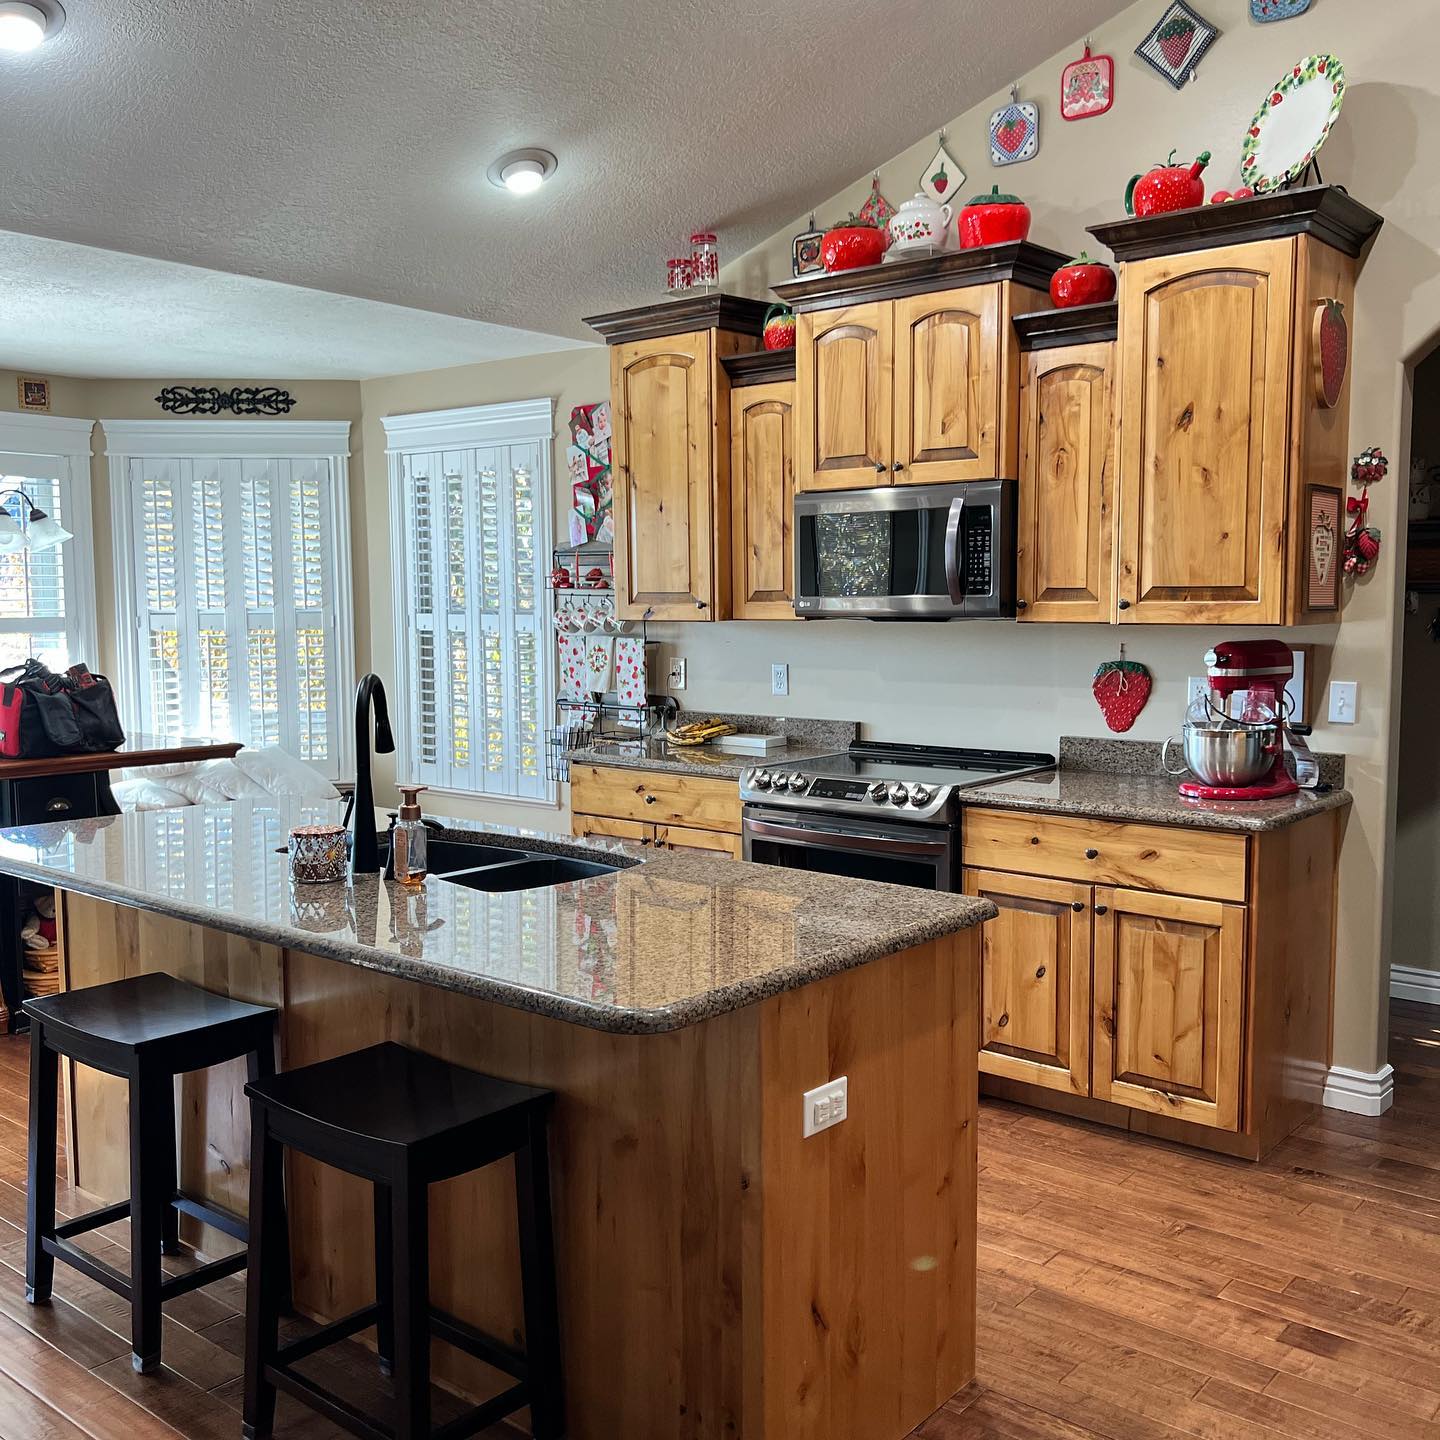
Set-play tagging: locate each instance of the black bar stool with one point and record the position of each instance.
(147, 1029)
(404, 1121)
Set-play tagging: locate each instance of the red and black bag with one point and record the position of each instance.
(42, 713)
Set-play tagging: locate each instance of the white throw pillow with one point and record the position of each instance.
(226, 777)
(280, 774)
(147, 795)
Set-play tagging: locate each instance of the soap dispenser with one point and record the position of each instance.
(408, 839)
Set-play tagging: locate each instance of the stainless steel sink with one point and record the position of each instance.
(528, 871)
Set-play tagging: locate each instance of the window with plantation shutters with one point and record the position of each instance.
(239, 571)
(471, 535)
(47, 597)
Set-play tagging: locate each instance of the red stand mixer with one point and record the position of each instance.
(1235, 732)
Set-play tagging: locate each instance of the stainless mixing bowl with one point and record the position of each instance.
(1226, 754)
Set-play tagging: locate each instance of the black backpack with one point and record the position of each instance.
(42, 713)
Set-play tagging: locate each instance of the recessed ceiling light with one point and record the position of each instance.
(24, 27)
(522, 172)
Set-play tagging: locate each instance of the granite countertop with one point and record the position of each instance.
(600, 952)
(693, 760)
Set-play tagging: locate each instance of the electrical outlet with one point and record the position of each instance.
(1196, 685)
(779, 679)
(826, 1105)
(679, 671)
(1344, 702)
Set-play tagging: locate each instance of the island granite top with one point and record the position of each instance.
(605, 952)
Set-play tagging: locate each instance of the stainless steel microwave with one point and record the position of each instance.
(907, 552)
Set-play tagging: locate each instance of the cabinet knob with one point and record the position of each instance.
(1102, 909)
(1077, 906)
(1092, 854)
(898, 466)
(1122, 604)
(879, 467)
(1034, 839)
(699, 604)
(1022, 604)
(650, 799)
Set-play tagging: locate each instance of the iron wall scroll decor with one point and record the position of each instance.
(240, 400)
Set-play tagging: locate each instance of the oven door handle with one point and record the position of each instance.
(844, 840)
(955, 552)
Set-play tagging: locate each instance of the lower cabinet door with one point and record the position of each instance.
(1035, 980)
(683, 837)
(606, 826)
(1169, 1005)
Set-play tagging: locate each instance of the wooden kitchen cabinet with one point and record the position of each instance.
(670, 403)
(1035, 980)
(909, 373)
(1169, 1003)
(688, 837)
(1065, 567)
(762, 489)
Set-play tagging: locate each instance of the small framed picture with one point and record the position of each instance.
(1324, 546)
(33, 394)
(805, 256)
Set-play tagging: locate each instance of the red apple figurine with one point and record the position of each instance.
(993, 219)
(1167, 187)
(1082, 282)
(1222, 197)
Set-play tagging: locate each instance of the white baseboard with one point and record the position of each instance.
(1409, 983)
(1361, 1092)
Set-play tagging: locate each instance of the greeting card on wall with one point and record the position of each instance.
(1087, 86)
(1177, 43)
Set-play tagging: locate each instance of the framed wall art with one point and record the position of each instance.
(1324, 508)
(33, 395)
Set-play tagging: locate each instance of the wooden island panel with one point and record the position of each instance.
(720, 1275)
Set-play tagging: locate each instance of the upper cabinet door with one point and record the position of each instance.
(947, 362)
(1205, 376)
(762, 489)
(1169, 1005)
(664, 477)
(844, 370)
(1067, 485)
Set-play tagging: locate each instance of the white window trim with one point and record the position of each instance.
(127, 440)
(511, 422)
(59, 437)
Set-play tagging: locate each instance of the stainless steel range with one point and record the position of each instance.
(874, 812)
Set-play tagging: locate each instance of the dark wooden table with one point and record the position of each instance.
(73, 787)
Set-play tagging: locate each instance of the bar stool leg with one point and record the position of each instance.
(266, 1285)
(40, 1187)
(384, 1280)
(410, 1269)
(169, 1216)
(260, 1065)
(537, 1279)
(151, 1130)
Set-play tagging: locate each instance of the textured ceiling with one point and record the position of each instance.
(342, 144)
(77, 310)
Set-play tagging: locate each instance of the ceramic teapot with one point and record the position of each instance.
(919, 224)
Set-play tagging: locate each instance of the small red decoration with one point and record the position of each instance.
(1167, 187)
(993, 219)
(1121, 687)
(848, 247)
(1087, 86)
(1082, 282)
(1330, 352)
(778, 331)
(1362, 541)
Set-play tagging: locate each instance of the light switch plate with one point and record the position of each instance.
(826, 1105)
(779, 679)
(1344, 702)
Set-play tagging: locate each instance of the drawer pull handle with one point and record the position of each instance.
(1077, 906)
(1034, 839)
(1122, 604)
(1003, 1021)
(1092, 854)
(650, 799)
(1040, 973)
(57, 806)
(1102, 909)
(879, 467)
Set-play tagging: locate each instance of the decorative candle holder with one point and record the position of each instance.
(317, 854)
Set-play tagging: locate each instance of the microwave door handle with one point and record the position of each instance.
(955, 552)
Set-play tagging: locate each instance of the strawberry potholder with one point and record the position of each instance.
(1121, 688)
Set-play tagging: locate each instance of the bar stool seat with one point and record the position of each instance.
(146, 1029)
(404, 1121)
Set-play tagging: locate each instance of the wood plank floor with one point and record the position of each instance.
(1128, 1291)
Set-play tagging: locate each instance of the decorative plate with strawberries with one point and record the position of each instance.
(1292, 123)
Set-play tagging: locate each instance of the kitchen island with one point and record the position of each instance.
(720, 1275)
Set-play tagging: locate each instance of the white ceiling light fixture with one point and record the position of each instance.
(27, 26)
(522, 172)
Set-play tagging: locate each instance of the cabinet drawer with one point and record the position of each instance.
(1107, 852)
(657, 797)
(687, 837)
(589, 827)
(43, 798)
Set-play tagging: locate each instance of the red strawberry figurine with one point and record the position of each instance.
(778, 331)
(1083, 282)
(1167, 187)
(1121, 687)
(1331, 351)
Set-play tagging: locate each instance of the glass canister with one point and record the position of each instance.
(317, 854)
(680, 275)
(704, 260)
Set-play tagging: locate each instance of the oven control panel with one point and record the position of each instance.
(843, 794)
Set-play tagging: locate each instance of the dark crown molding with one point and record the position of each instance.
(759, 367)
(1075, 325)
(714, 311)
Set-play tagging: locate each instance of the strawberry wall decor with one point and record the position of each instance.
(1177, 43)
(1121, 688)
(1265, 11)
(943, 177)
(1014, 131)
(1329, 351)
(1362, 541)
(1087, 86)
(877, 210)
